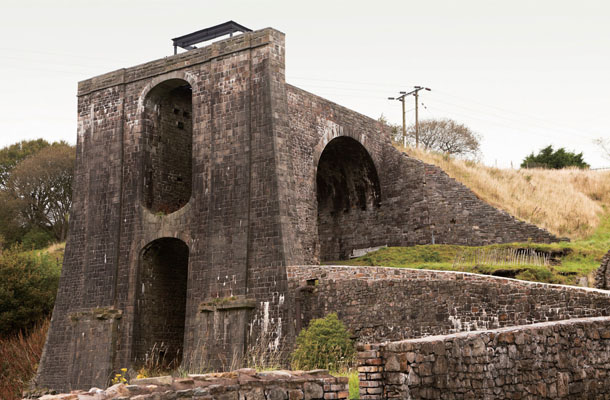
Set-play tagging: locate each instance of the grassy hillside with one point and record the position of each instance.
(568, 202)
(573, 203)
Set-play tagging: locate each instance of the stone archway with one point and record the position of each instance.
(161, 302)
(168, 144)
(348, 195)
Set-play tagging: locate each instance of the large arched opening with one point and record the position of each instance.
(168, 144)
(348, 195)
(161, 303)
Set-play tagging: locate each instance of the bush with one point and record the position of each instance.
(28, 285)
(554, 159)
(36, 238)
(324, 344)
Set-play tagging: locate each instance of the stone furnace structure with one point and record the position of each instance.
(199, 178)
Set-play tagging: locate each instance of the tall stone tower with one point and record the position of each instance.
(199, 178)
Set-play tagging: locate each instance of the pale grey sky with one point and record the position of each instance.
(522, 74)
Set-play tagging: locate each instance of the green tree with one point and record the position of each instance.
(324, 344)
(554, 159)
(28, 284)
(11, 155)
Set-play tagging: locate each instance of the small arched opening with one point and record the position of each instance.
(168, 144)
(161, 303)
(348, 195)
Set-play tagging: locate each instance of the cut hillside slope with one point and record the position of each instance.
(568, 203)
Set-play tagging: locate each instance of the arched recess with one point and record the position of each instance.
(348, 196)
(161, 302)
(167, 147)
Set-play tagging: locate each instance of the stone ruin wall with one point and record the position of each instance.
(379, 304)
(602, 275)
(242, 384)
(552, 360)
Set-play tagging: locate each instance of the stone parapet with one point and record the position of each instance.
(379, 303)
(563, 359)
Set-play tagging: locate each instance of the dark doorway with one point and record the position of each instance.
(168, 144)
(161, 303)
(349, 195)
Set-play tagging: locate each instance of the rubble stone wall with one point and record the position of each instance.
(602, 276)
(378, 303)
(243, 384)
(551, 360)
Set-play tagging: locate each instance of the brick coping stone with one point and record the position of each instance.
(392, 346)
(400, 273)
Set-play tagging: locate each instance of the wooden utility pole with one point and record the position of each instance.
(416, 119)
(401, 98)
(404, 123)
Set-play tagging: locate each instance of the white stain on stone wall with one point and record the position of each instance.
(265, 305)
(328, 129)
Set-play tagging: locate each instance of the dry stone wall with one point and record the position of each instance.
(552, 360)
(379, 304)
(602, 276)
(243, 384)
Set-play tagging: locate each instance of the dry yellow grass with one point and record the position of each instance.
(566, 202)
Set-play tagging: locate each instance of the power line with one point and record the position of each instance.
(401, 98)
(550, 124)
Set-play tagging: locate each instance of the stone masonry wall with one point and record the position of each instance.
(602, 275)
(231, 224)
(458, 216)
(418, 203)
(552, 360)
(379, 304)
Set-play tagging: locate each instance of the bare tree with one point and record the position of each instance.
(446, 136)
(40, 188)
(604, 144)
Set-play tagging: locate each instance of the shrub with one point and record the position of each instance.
(19, 357)
(28, 284)
(36, 238)
(324, 344)
(555, 159)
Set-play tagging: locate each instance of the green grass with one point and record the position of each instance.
(578, 259)
(354, 382)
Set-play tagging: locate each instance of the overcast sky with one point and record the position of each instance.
(523, 74)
